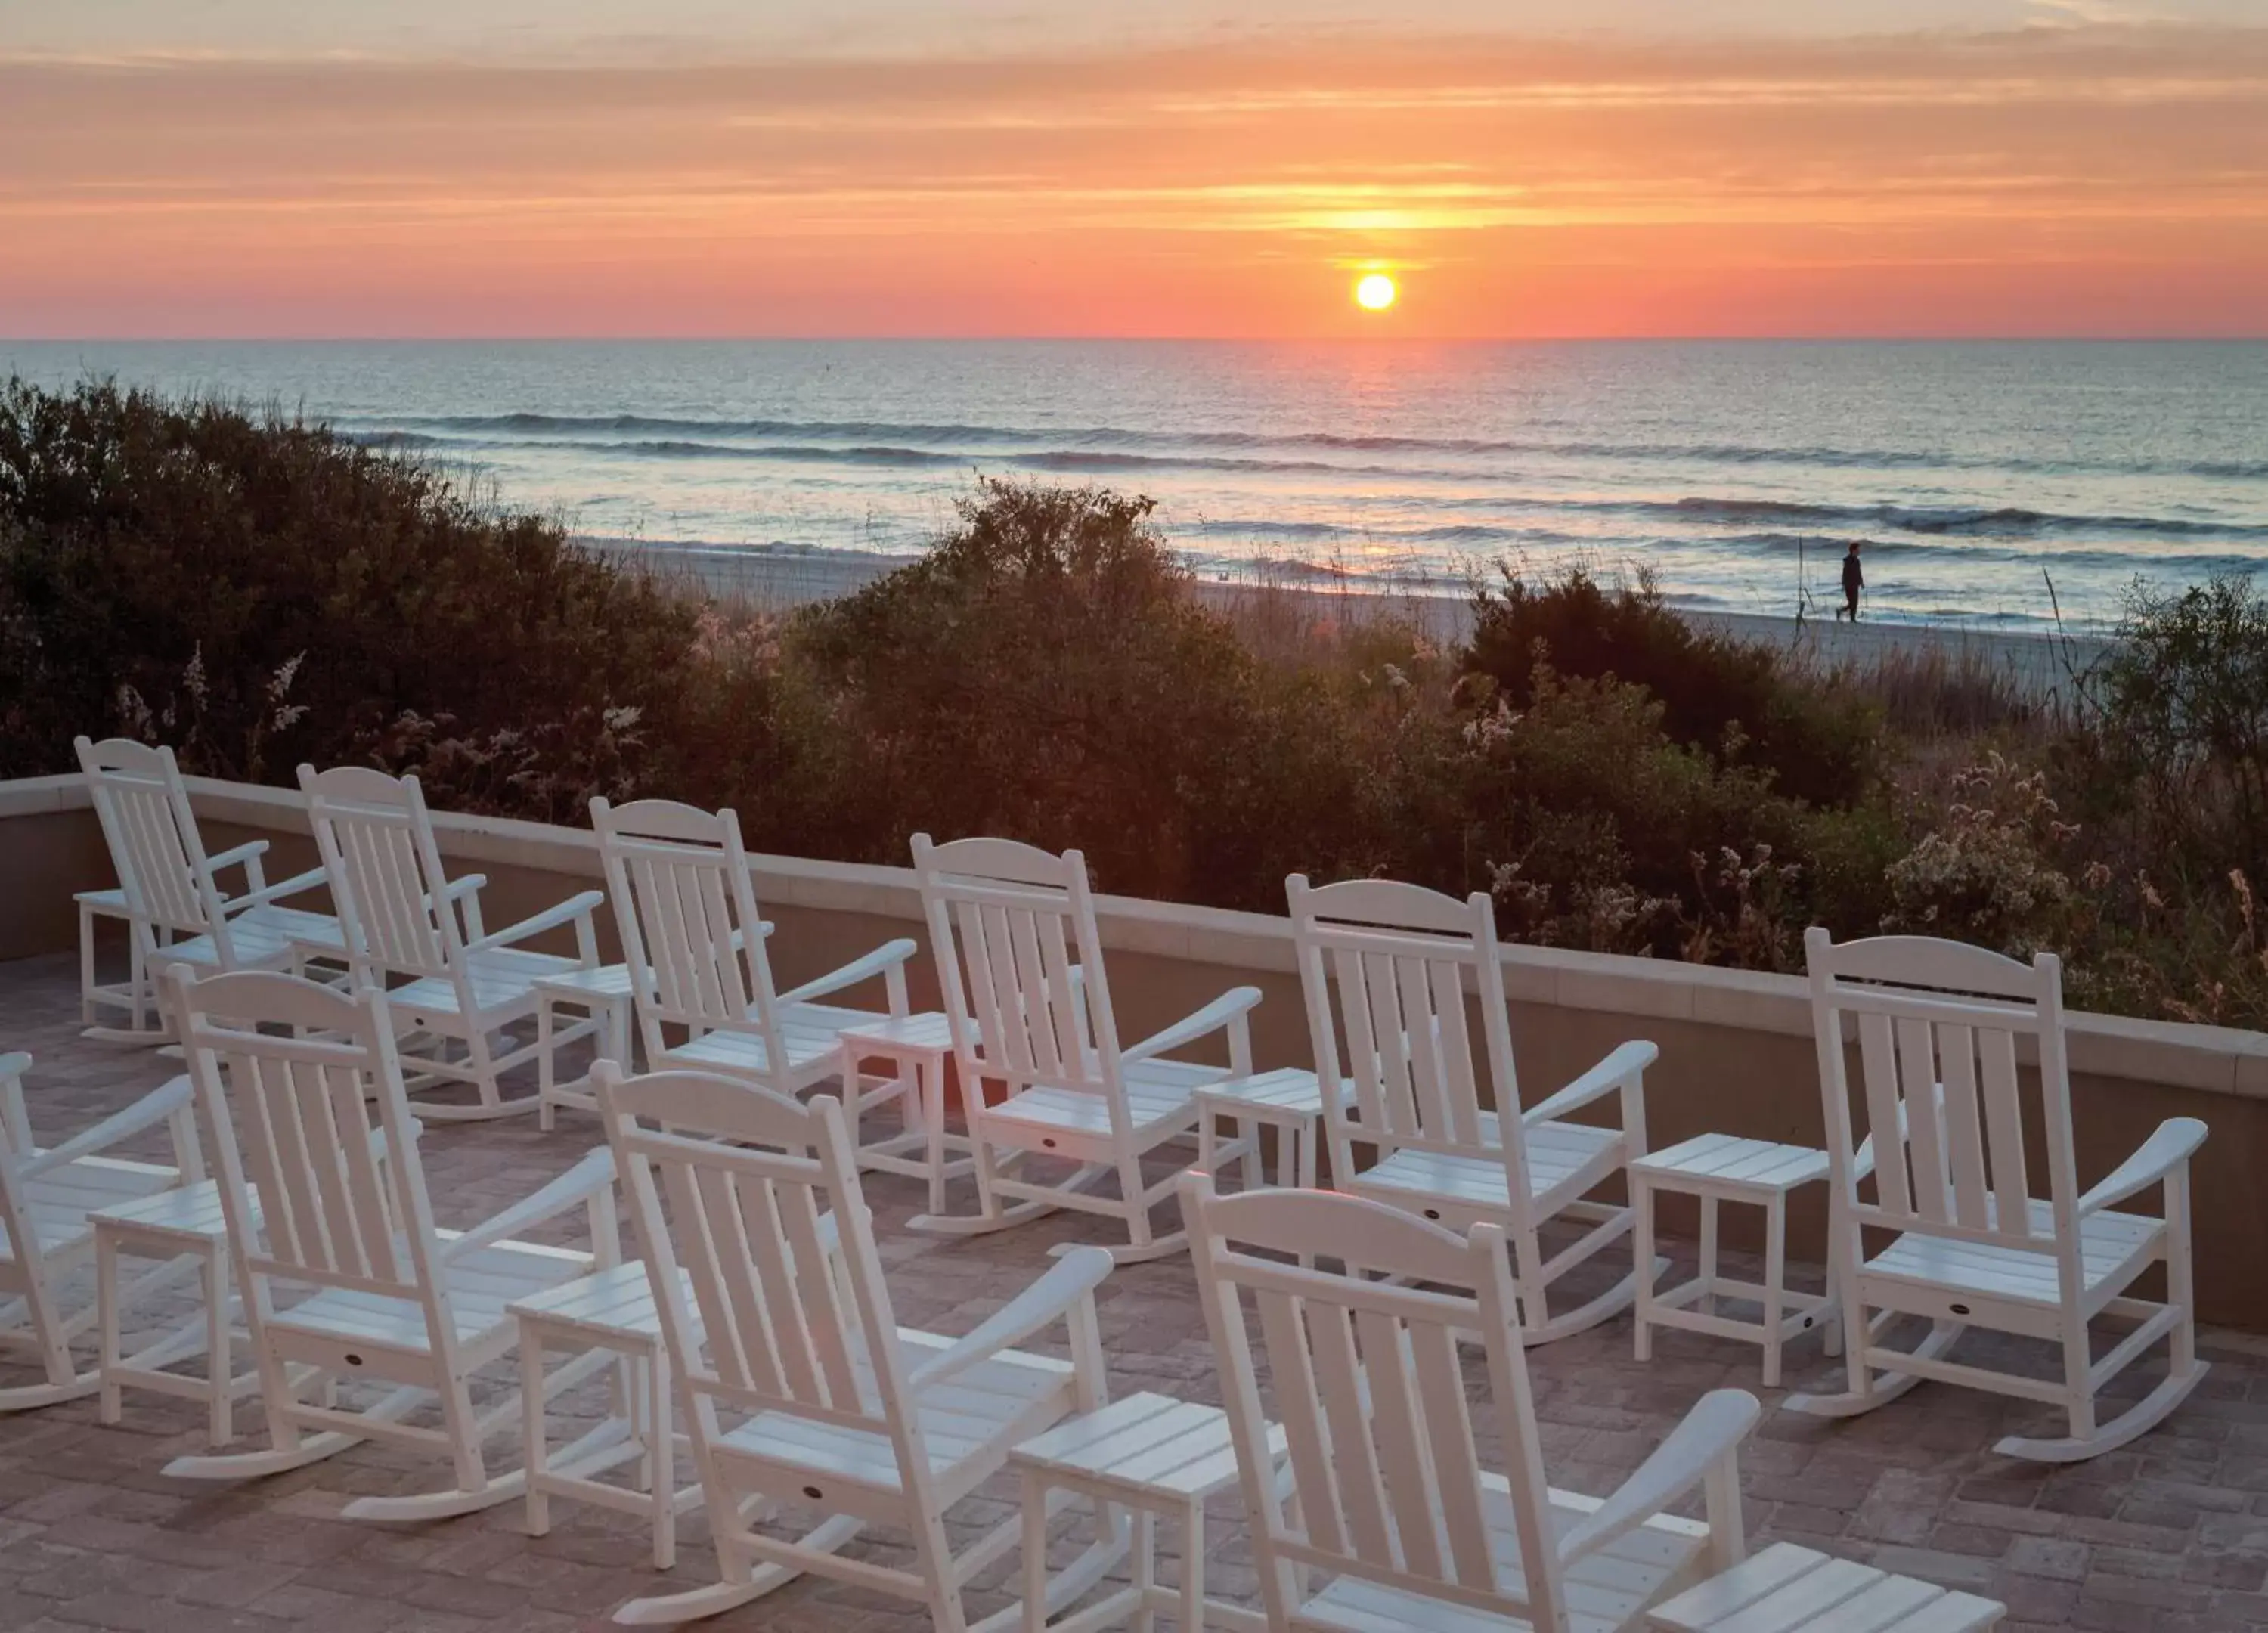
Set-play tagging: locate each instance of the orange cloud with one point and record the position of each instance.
(2082, 180)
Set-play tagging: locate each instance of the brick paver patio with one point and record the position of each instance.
(2170, 1534)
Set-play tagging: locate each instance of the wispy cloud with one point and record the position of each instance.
(1542, 181)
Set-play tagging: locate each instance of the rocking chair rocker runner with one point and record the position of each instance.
(1401, 958)
(802, 1390)
(344, 1277)
(1020, 961)
(1938, 1024)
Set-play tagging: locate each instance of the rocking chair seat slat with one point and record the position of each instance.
(2106, 1242)
(958, 1420)
(1556, 1151)
(1159, 1093)
(61, 1202)
(1604, 1590)
(502, 978)
(264, 935)
(812, 1034)
(481, 1286)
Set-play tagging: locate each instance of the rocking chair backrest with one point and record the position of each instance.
(144, 811)
(317, 1124)
(1937, 1025)
(1020, 962)
(730, 1187)
(692, 934)
(386, 873)
(1371, 1396)
(1400, 959)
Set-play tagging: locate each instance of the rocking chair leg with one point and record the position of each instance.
(220, 1354)
(107, 1296)
(1138, 1206)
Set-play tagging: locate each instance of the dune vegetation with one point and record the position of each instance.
(259, 591)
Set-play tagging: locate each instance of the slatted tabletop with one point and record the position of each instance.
(1731, 1161)
(607, 981)
(929, 1030)
(1143, 1444)
(1288, 1091)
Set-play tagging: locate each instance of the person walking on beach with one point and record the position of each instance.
(1853, 581)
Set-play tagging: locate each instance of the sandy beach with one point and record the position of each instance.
(775, 577)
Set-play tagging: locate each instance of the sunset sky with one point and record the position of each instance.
(1525, 168)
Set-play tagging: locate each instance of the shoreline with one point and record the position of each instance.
(778, 579)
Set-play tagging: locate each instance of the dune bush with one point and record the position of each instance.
(257, 590)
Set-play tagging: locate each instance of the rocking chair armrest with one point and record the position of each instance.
(1718, 1422)
(157, 1106)
(298, 884)
(1071, 1281)
(250, 851)
(1607, 1077)
(2176, 1139)
(581, 905)
(457, 889)
(570, 1190)
(1230, 1007)
(882, 959)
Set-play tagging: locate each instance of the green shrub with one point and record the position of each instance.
(1737, 700)
(164, 566)
(1601, 832)
(1043, 674)
(2180, 740)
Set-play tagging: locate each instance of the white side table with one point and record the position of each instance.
(602, 995)
(181, 1225)
(1288, 1100)
(612, 1310)
(1723, 1167)
(1159, 1458)
(1787, 1586)
(919, 1044)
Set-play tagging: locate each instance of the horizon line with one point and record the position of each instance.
(2139, 338)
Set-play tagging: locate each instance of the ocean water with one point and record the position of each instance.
(1976, 474)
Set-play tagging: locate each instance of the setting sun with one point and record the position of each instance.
(1375, 292)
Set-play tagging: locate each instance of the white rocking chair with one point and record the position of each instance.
(1397, 1523)
(1028, 1005)
(411, 929)
(169, 892)
(1938, 1024)
(344, 1279)
(47, 1236)
(1404, 959)
(701, 977)
(803, 1391)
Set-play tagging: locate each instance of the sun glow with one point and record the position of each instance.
(1374, 291)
